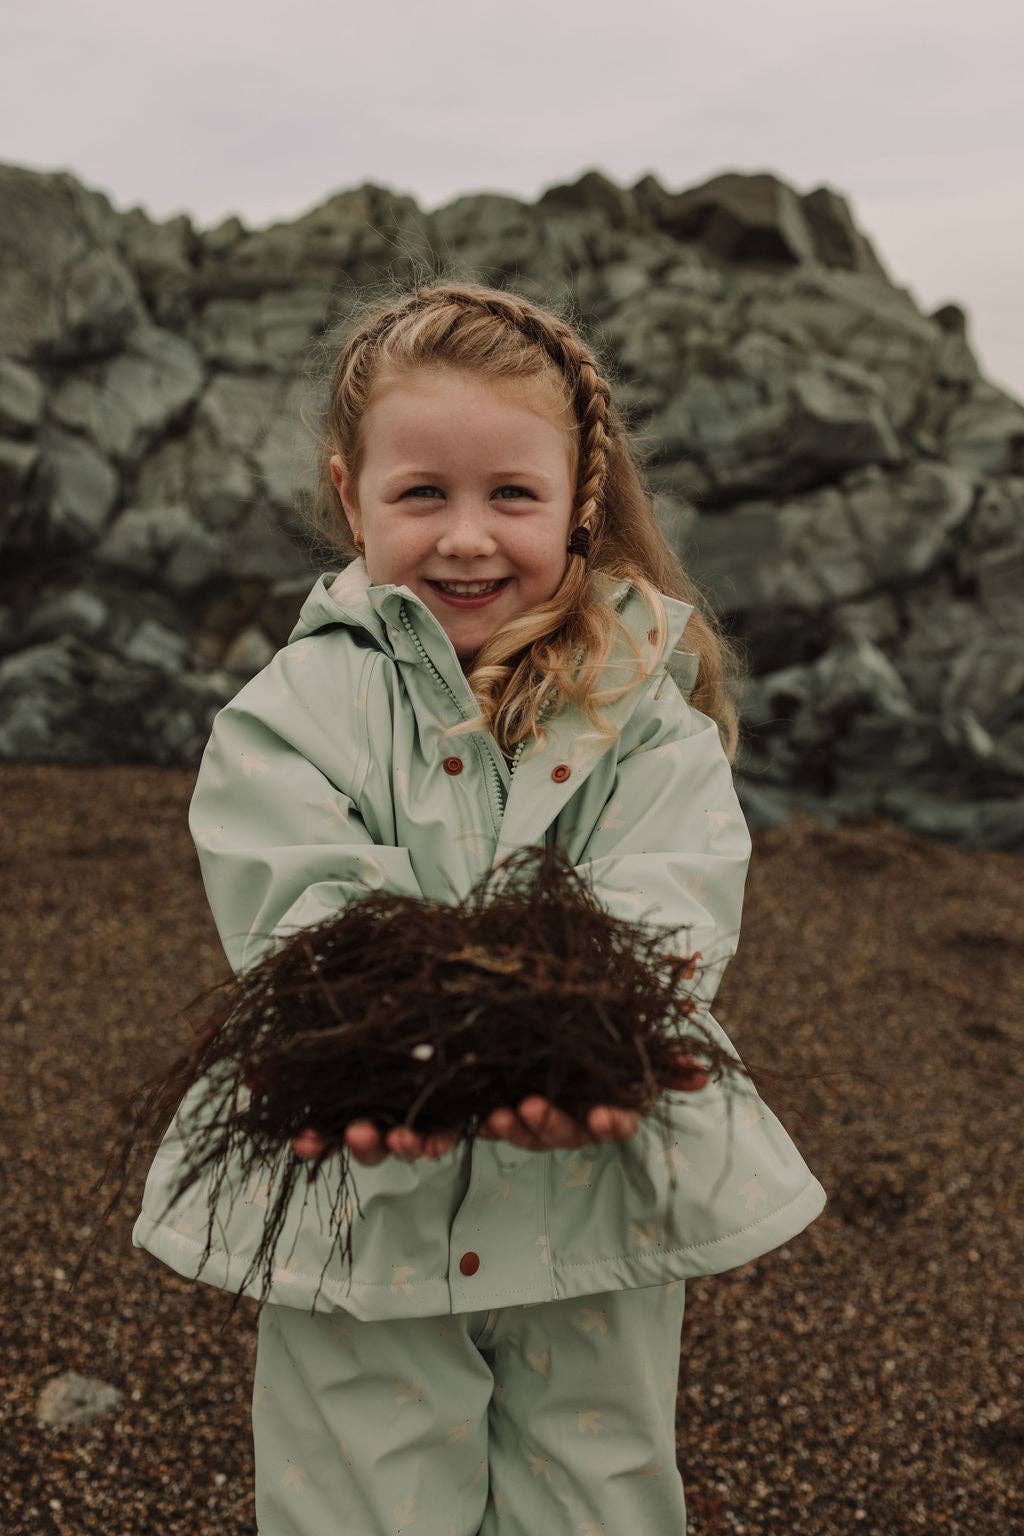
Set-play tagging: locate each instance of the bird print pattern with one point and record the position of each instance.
(435, 1427)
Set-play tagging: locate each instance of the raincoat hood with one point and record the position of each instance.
(382, 610)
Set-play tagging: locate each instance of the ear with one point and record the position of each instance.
(342, 482)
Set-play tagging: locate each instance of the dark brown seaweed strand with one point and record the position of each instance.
(526, 985)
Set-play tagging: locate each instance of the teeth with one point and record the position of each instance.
(470, 587)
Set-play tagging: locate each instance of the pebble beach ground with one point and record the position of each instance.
(865, 1378)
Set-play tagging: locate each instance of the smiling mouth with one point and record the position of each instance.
(478, 594)
(471, 588)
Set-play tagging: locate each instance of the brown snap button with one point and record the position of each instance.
(469, 1263)
(453, 765)
(560, 772)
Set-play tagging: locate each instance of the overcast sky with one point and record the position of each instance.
(912, 109)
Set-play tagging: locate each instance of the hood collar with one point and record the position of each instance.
(349, 597)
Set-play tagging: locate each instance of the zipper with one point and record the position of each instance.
(499, 799)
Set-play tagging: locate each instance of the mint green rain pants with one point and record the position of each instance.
(553, 1419)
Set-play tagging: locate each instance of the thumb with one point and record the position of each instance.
(689, 1075)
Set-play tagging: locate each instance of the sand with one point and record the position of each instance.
(864, 1378)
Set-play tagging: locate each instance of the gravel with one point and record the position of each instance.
(864, 1378)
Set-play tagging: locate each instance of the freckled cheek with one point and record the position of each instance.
(404, 556)
(539, 566)
(538, 580)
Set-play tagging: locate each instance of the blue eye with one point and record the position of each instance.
(520, 490)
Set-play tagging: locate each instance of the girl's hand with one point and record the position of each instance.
(538, 1127)
(541, 1125)
(363, 1141)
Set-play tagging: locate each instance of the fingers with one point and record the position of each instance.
(541, 1125)
(505, 1125)
(550, 1125)
(439, 1142)
(404, 1143)
(364, 1142)
(604, 1123)
(308, 1143)
(610, 1124)
(508, 1126)
(538, 1126)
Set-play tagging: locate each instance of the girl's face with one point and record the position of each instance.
(463, 480)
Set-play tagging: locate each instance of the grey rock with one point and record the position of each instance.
(827, 461)
(71, 1400)
(65, 291)
(156, 646)
(160, 256)
(17, 465)
(239, 408)
(757, 414)
(592, 193)
(83, 487)
(763, 805)
(73, 611)
(982, 702)
(225, 234)
(356, 232)
(67, 700)
(988, 824)
(265, 331)
(125, 403)
(985, 432)
(758, 218)
(199, 470)
(504, 234)
(248, 652)
(284, 457)
(261, 546)
(40, 697)
(21, 397)
(165, 545)
(835, 545)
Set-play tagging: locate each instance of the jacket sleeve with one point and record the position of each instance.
(275, 820)
(671, 844)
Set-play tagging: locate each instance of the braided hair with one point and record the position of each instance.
(559, 650)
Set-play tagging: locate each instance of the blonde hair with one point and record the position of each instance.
(557, 651)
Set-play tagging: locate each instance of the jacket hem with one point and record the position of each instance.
(289, 1287)
(432, 1297)
(652, 1266)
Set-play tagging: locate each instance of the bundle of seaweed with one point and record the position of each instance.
(428, 1014)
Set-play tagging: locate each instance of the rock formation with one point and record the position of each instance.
(827, 460)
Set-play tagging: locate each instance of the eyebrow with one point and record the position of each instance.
(434, 474)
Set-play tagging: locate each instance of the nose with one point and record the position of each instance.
(465, 534)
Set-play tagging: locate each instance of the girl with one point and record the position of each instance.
(497, 665)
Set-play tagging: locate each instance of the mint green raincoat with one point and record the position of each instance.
(326, 775)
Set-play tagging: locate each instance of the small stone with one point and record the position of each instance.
(72, 1399)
